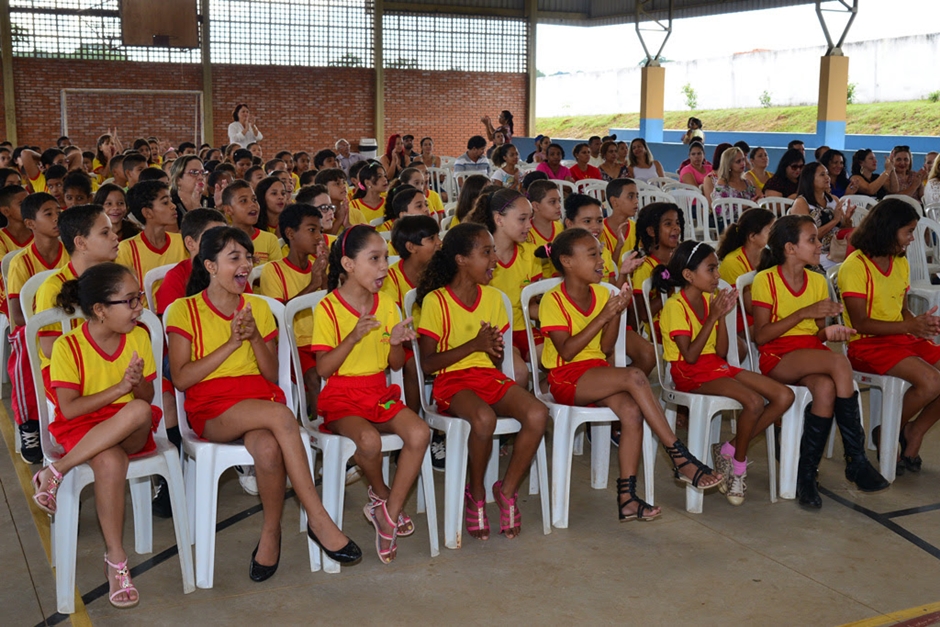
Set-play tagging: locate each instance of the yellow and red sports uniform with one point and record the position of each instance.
(678, 318)
(884, 294)
(771, 291)
(141, 256)
(238, 378)
(524, 268)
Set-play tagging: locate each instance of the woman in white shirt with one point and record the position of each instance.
(932, 188)
(243, 130)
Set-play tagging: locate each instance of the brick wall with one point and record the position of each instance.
(447, 106)
(297, 108)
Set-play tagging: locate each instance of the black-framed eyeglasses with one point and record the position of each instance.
(197, 172)
(796, 166)
(133, 302)
(325, 208)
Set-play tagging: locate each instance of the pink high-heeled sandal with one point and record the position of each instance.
(125, 585)
(45, 499)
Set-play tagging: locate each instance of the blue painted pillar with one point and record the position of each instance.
(831, 110)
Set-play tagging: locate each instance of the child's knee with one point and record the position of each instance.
(635, 378)
(931, 380)
(283, 417)
(140, 413)
(267, 452)
(824, 391)
(111, 462)
(753, 403)
(483, 423)
(784, 395)
(537, 417)
(369, 443)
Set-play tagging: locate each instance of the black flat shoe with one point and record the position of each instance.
(260, 572)
(349, 554)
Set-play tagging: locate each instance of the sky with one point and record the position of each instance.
(614, 47)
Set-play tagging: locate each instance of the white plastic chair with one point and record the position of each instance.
(595, 188)
(204, 462)
(150, 279)
(694, 207)
(441, 181)
(378, 221)
(568, 418)
(704, 410)
(641, 185)
(164, 462)
(445, 223)
(671, 175)
(861, 201)
(921, 287)
(913, 202)
(653, 194)
(674, 185)
(457, 433)
(448, 162)
(337, 450)
(660, 181)
(885, 397)
(791, 423)
(726, 211)
(564, 187)
(27, 296)
(568, 162)
(931, 211)
(778, 205)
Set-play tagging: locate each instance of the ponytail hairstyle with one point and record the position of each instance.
(406, 175)
(398, 199)
(858, 159)
(688, 256)
(750, 222)
(349, 243)
(499, 155)
(494, 202)
(442, 269)
(563, 246)
(785, 231)
(472, 187)
(508, 117)
(369, 173)
(651, 216)
(211, 245)
(97, 285)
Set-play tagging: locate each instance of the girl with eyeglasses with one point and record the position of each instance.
(103, 375)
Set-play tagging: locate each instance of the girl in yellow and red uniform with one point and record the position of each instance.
(272, 196)
(581, 320)
(103, 377)
(508, 216)
(369, 195)
(659, 228)
(889, 339)
(222, 355)
(791, 305)
(402, 200)
(740, 251)
(358, 333)
(694, 342)
(461, 341)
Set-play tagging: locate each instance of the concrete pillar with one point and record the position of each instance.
(6, 52)
(208, 119)
(531, 70)
(652, 98)
(379, 63)
(833, 91)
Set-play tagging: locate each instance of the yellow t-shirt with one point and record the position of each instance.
(197, 319)
(80, 364)
(27, 264)
(451, 323)
(539, 239)
(677, 318)
(45, 299)
(282, 281)
(266, 247)
(884, 293)
(733, 266)
(385, 227)
(334, 319)
(296, 178)
(643, 272)
(771, 291)
(138, 254)
(396, 285)
(609, 237)
(368, 212)
(435, 204)
(39, 183)
(7, 245)
(524, 268)
(557, 312)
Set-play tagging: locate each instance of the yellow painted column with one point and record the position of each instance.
(833, 91)
(652, 99)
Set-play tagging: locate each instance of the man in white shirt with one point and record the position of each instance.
(594, 144)
(473, 160)
(344, 158)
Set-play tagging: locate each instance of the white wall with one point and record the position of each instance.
(883, 70)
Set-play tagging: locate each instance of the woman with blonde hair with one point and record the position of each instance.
(731, 181)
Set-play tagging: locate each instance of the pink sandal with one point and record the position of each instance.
(372, 511)
(475, 516)
(45, 499)
(510, 518)
(406, 526)
(125, 585)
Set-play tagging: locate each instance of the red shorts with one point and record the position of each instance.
(369, 396)
(563, 381)
(690, 377)
(68, 433)
(521, 341)
(772, 352)
(210, 399)
(489, 384)
(880, 354)
(308, 359)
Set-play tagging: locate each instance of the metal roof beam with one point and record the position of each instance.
(643, 17)
(835, 49)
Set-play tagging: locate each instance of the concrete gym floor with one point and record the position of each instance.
(868, 558)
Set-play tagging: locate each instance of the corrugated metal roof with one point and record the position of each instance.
(588, 12)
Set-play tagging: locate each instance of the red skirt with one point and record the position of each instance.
(772, 352)
(369, 396)
(690, 377)
(211, 398)
(563, 381)
(880, 354)
(521, 341)
(68, 433)
(489, 384)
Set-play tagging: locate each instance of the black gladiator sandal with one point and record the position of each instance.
(628, 486)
